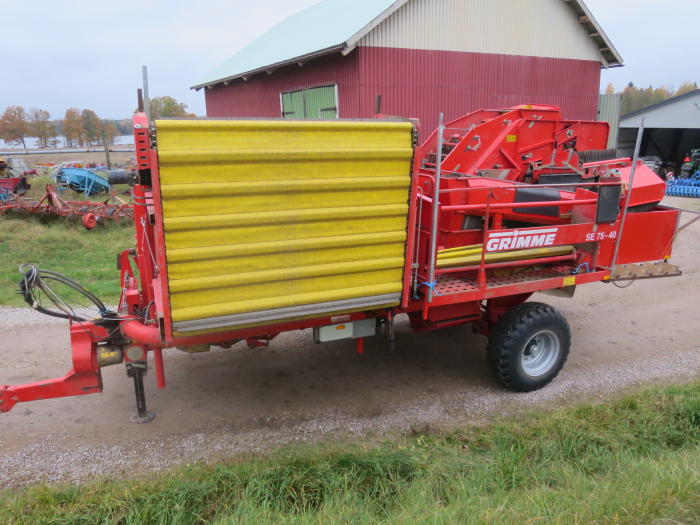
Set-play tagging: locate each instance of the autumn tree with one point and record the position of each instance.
(686, 87)
(111, 133)
(163, 107)
(92, 127)
(73, 130)
(610, 90)
(634, 98)
(14, 126)
(41, 127)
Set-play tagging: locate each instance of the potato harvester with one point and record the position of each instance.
(247, 228)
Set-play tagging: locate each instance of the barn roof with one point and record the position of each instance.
(337, 25)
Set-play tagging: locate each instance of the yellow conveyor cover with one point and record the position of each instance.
(471, 255)
(272, 220)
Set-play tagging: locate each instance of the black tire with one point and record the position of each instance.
(513, 339)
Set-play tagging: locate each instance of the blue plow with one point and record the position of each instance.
(82, 180)
(684, 187)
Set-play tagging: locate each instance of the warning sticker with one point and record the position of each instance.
(511, 138)
(568, 281)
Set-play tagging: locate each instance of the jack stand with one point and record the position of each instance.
(391, 342)
(137, 370)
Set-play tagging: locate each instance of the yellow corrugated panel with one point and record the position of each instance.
(277, 220)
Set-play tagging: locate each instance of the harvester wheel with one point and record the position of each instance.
(528, 347)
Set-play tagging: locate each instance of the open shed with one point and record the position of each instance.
(671, 129)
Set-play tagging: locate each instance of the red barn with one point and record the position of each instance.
(423, 56)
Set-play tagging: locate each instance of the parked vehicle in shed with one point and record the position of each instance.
(691, 164)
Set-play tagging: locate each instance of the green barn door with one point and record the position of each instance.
(310, 103)
(293, 104)
(321, 102)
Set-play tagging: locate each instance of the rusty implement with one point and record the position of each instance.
(90, 213)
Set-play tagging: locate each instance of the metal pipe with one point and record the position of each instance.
(509, 205)
(635, 160)
(139, 332)
(146, 100)
(436, 209)
(121, 177)
(55, 151)
(473, 188)
(481, 276)
(416, 247)
(160, 370)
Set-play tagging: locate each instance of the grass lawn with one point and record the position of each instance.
(89, 257)
(632, 461)
(54, 243)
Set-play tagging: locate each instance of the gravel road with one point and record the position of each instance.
(227, 402)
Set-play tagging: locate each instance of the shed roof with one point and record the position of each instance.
(681, 112)
(337, 25)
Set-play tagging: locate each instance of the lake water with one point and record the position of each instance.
(122, 140)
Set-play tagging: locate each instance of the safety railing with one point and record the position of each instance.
(489, 207)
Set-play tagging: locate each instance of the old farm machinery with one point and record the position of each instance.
(90, 213)
(249, 228)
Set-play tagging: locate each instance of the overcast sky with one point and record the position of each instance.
(88, 53)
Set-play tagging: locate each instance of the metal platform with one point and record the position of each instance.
(448, 285)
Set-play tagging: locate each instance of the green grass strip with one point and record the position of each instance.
(632, 461)
(89, 257)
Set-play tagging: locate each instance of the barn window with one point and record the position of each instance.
(319, 102)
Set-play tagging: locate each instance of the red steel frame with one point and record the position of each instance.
(482, 295)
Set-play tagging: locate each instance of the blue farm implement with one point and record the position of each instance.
(684, 187)
(81, 180)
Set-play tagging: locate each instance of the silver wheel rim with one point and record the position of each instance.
(540, 353)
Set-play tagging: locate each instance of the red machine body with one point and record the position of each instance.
(513, 179)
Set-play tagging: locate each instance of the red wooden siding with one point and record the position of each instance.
(421, 84)
(259, 96)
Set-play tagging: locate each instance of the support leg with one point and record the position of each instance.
(391, 342)
(141, 415)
